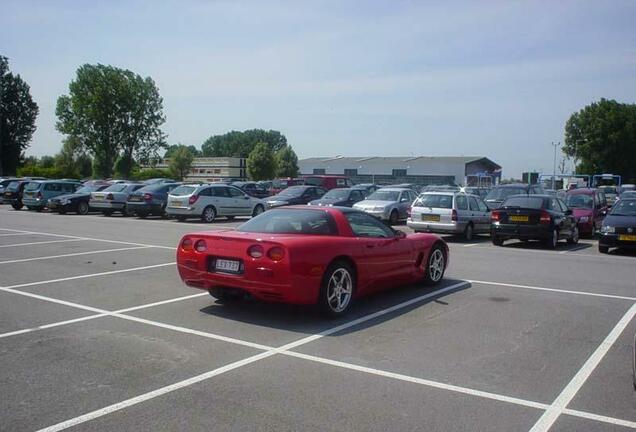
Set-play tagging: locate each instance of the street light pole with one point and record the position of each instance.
(555, 145)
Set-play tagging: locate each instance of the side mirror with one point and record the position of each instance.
(400, 234)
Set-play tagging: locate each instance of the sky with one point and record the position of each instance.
(355, 78)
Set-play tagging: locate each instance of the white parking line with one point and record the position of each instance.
(600, 418)
(562, 291)
(557, 407)
(13, 234)
(73, 254)
(470, 245)
(43, 242)
(87, 276)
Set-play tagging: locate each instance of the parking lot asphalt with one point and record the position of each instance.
(97, 332)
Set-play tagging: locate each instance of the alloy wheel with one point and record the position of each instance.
(436, 265)
(339, 290)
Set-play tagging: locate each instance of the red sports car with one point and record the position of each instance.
(325, 256)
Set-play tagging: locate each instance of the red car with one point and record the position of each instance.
(300, 255)
(589, 207)
(328, 181)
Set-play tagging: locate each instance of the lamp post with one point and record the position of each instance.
(555, 145)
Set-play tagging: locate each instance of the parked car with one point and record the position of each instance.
(37, 193)
(339, 198)
(254, 189)
(208, 201)
(388, 204)
(481, 192)
(533, 217)
(13, 193)
(4, 182)
(351, 255)
(412, 186)
(619, 227)
(450, 213)
(159, 180)
(611, 193)
(627, 194)
(441, 188)
(114, 198)
(328, 182)
(367, 188)
(295, 195)
(151, 199)
(589, 207)
(77, 201)
(280, 185)
(499, 193)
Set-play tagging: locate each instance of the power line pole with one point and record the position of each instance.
(555, 145)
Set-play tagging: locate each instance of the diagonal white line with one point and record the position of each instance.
(13, 234)
(557, 407)
(73, 254)
(43, 242)
(600, 418)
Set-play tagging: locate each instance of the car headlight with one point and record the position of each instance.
(584, 219)
(378, 209)
(608, 229)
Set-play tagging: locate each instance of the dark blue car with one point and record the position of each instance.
(150, 199)
(340, 198)
(619, 227)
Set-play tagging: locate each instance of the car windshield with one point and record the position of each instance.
(86, 189)
(624, 208)
(13, 186)
(337, 194)
(434, 201)
(524, 202)
(293, 191)
(579, 201)
(499, 194)
(116, 187)
(314, 181)
(285, 221)
(33, 186)
(183, 190)
(628, 194)
(609, 190)
(384, 195)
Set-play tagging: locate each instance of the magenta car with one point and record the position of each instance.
(589, 207)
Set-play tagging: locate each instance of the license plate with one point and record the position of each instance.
(176, 203)
(514, 218)
(7, 194)
(430, 218)
(224, 265)
(627, 237)
(99, 198)
(135, 198)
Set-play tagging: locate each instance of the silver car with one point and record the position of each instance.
(208, 201)
(450, 213)
(113, 198)
(388, 204)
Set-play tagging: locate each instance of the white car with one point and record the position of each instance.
(209, 201)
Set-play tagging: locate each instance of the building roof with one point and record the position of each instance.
(399, 159)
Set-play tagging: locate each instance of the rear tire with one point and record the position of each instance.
(497, 241)
(61, 211)
(142, 215)
(208, 215)
(603, 249)
(337, 288)
(574, 239)
(181, 218)
(82, 209)
(17, 206)
(553, 241)
(393, 218)
(258, 210)
(435, 266)
(107, 213)
(469, 232)
(127, 212)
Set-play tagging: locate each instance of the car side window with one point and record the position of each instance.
(135, 187)
(319, 192)
(356, 195)
(234, 192)
(221, 192)
(473, 204)
(205, 192)
(52, 187)
(348, 182)
(340, 182)
(364, 225)
(482, 206)
(461, 202)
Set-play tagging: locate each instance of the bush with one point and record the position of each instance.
(35, 171)
(148, 173)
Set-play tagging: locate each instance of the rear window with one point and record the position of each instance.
(13, 186)
(434, 201)
(116, 187)
(503, 193)
(33, 186)
(285, 221)
(524, 202)
(183, 190)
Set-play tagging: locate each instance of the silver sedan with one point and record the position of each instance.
(388, 204)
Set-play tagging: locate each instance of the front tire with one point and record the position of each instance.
(497, 241)
(435, 266)
(82, 209)
(208, 215)
(337, 288)
(17, 206)
(393, 218)
(603, 249)
(574, 239)
(258, 210)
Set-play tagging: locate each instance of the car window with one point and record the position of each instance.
(349, 182)
(68, 188)
(461, 202)
(341, 182)
(220, 192)
(285, 221)
(554, 204)
(364, 225)
(356, 195)
(482, 206)
(205, 192)
(473, 204)
(235, 192)
(563, 206)
(526, 202)
(183, 190)
(320, 192)
(52, 187)
(434, 201)
(136, 187)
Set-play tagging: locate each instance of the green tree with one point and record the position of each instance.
(72, 161)
(261, 162)
(18, 112)
(286, 163)
(112, 112)
(241, 144)
(181, 162)
(602, 137)
(46, 162)
(171, 149)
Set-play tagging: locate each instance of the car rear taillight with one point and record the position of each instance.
(193, 199)
(495, 216)
(200, 246)
(148, 197)
(110, 197)
(186, 244)
(454, 215)
(276, 253)
(255, 251)
(545, 217)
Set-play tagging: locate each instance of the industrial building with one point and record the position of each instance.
(423, 170)
(212, 169)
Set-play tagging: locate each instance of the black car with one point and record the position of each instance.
(150, 199)
(533, 217)
(366, 188)
(76, 202)
(294, 195)
(619, 226)
(340, 198)
(13, 193)
(498, 194)
(257, 190)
